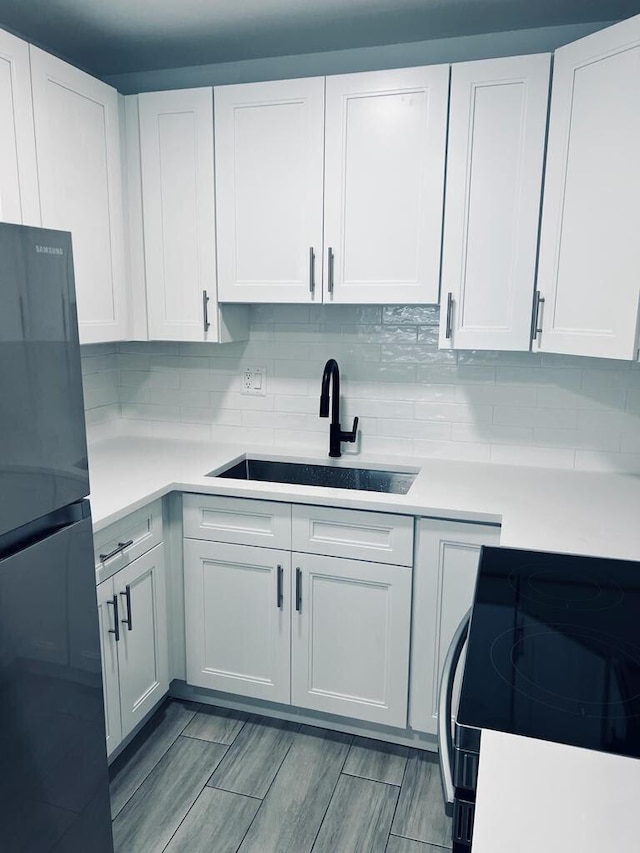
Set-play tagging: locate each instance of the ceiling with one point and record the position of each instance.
(117, 36)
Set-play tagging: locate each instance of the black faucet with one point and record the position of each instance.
(336, 435)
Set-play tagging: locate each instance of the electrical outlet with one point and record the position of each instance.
(253, 380)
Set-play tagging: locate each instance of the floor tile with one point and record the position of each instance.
(420, 814)
(151, 817)
(292, 812)
(254, 757)
(374, 759)
(216, 823)
(405, 845)
(358, 818)
(131, 768)
(220, 725)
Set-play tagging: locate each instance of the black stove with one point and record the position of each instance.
(553, 653)
(554, 650)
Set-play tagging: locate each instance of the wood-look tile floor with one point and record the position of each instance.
(200, 779)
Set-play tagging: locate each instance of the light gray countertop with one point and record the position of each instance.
(544, 509)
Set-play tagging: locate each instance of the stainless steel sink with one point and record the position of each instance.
(331, 476)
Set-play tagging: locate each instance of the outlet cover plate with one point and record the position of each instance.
(253, 380)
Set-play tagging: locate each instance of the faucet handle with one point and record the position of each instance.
(351, 436)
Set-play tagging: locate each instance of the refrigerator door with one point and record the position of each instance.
(43, 455)
(54, 790)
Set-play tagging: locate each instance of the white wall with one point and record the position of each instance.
(518, 408)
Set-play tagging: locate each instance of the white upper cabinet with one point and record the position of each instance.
(497, 127)
(385, 140)
(269, 163)
(589, 266)
(176, 156)
(19, 201)
(78, 150)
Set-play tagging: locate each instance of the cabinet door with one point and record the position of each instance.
(495, 155)
(78, 149)
(109, 654)
(176, 149)
(350, 638)
(269, 166)
(447, 556)
(237, 615)
(589, 267)
(142, 650)
(19, 200)
(384, 176)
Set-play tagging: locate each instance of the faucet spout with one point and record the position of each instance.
(331, 388)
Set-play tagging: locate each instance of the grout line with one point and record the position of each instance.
(351, 738)
(153, 767)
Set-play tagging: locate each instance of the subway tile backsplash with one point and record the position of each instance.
(515, 408)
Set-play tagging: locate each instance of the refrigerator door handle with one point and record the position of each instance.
(445, 703)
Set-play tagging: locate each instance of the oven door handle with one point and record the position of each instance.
(445, 703)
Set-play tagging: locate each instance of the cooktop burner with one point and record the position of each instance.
(554, 649)
(575, 590)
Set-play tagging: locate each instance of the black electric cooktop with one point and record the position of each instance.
(554, 650)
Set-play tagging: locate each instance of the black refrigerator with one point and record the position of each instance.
(54, 789)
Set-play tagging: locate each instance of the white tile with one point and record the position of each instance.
(148, 379)
(346, 314)
(147, 412)
(241, 434)
(423, 315)
(535, 417)
(222, 417)
(500, 359)
(416, 354)
(456, 450)
(297, 403)
(378, 334)
(274, 420)
(178, 397)
(309, 442)
(380, 408)
(414, 429)
(496, 394)
(576, 438)
(454, 373)
(377, 372)
(540, 457)
(343, 352)
(621, 463)
(454, 412)
(491, 434)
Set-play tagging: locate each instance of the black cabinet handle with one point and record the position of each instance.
(299, 590)
(127, 597)
(121, 547)
(116, 621)
(279, 595)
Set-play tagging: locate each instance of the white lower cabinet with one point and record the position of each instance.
(350, 638)
(133, 633)
(447, 554)
(317, 631)
(238, 618)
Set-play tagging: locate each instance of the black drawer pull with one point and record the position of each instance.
(121, 547)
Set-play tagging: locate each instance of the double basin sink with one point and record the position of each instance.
(328, 476)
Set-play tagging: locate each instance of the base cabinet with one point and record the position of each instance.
(133, 632)
(447, 554)
(314, 630)
(350, 638)
(238, 618)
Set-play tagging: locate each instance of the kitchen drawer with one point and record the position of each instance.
(375, 536)
(142, 528)
(237, 520)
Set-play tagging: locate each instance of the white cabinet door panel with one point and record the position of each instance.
(237, 609)
(447, 554)
(109, 655)
(269, 167)
(385, 138)
(78, 150)
(176, 147)
(19, 201)
(350, 638)
(495, 156)
(589, 267)
(142, 650)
